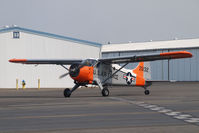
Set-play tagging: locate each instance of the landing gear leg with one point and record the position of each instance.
(68, 92)
(146, 92)
(104, 89)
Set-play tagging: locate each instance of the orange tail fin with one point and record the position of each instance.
(143, 73)
(139, 69)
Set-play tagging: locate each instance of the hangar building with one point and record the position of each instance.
(17, 42)
(166, 70)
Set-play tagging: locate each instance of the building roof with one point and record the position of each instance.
(159, 45)
(15, 28)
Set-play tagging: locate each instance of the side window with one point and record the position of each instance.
(16, 34)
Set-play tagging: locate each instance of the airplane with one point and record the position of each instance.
(105, 72)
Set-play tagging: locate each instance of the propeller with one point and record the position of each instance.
(74, 69)
(63, 75)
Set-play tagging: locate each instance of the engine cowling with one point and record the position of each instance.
(82, 74)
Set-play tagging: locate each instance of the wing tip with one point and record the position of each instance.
(178, 54)
(17, 60)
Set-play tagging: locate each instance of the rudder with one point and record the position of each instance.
(143, 70)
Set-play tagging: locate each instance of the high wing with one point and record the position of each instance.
(146, 57)
(114, 60)
(47, 61)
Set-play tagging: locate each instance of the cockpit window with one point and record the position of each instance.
(90, 62)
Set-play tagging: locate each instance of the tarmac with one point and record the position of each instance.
(170, 108)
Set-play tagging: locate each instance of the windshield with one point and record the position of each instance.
(90, 62)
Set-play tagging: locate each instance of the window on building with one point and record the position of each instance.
(16, 34)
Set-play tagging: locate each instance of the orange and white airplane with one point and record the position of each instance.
(106, 71)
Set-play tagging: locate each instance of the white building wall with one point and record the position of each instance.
(37, 47)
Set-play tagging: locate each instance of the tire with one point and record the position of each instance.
(67, 92)
(146, 92)
(105, 92)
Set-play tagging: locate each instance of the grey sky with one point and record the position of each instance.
(118, 21)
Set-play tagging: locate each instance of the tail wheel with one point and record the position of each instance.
(105, 92)
(67, 92)
(146, 92)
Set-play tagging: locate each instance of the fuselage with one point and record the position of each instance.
(104, 72)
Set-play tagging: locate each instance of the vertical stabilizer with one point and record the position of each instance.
(143, 70)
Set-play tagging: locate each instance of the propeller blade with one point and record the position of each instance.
(65, 74)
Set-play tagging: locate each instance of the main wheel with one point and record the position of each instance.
(67, 92)
(146, 92)
(105, 92)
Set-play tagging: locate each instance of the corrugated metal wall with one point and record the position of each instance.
(185, 69)
(164, 70)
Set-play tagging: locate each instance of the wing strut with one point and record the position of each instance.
(65, 67)
(115, 73)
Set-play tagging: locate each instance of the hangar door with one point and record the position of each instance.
(185, 69)
(166, 70)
